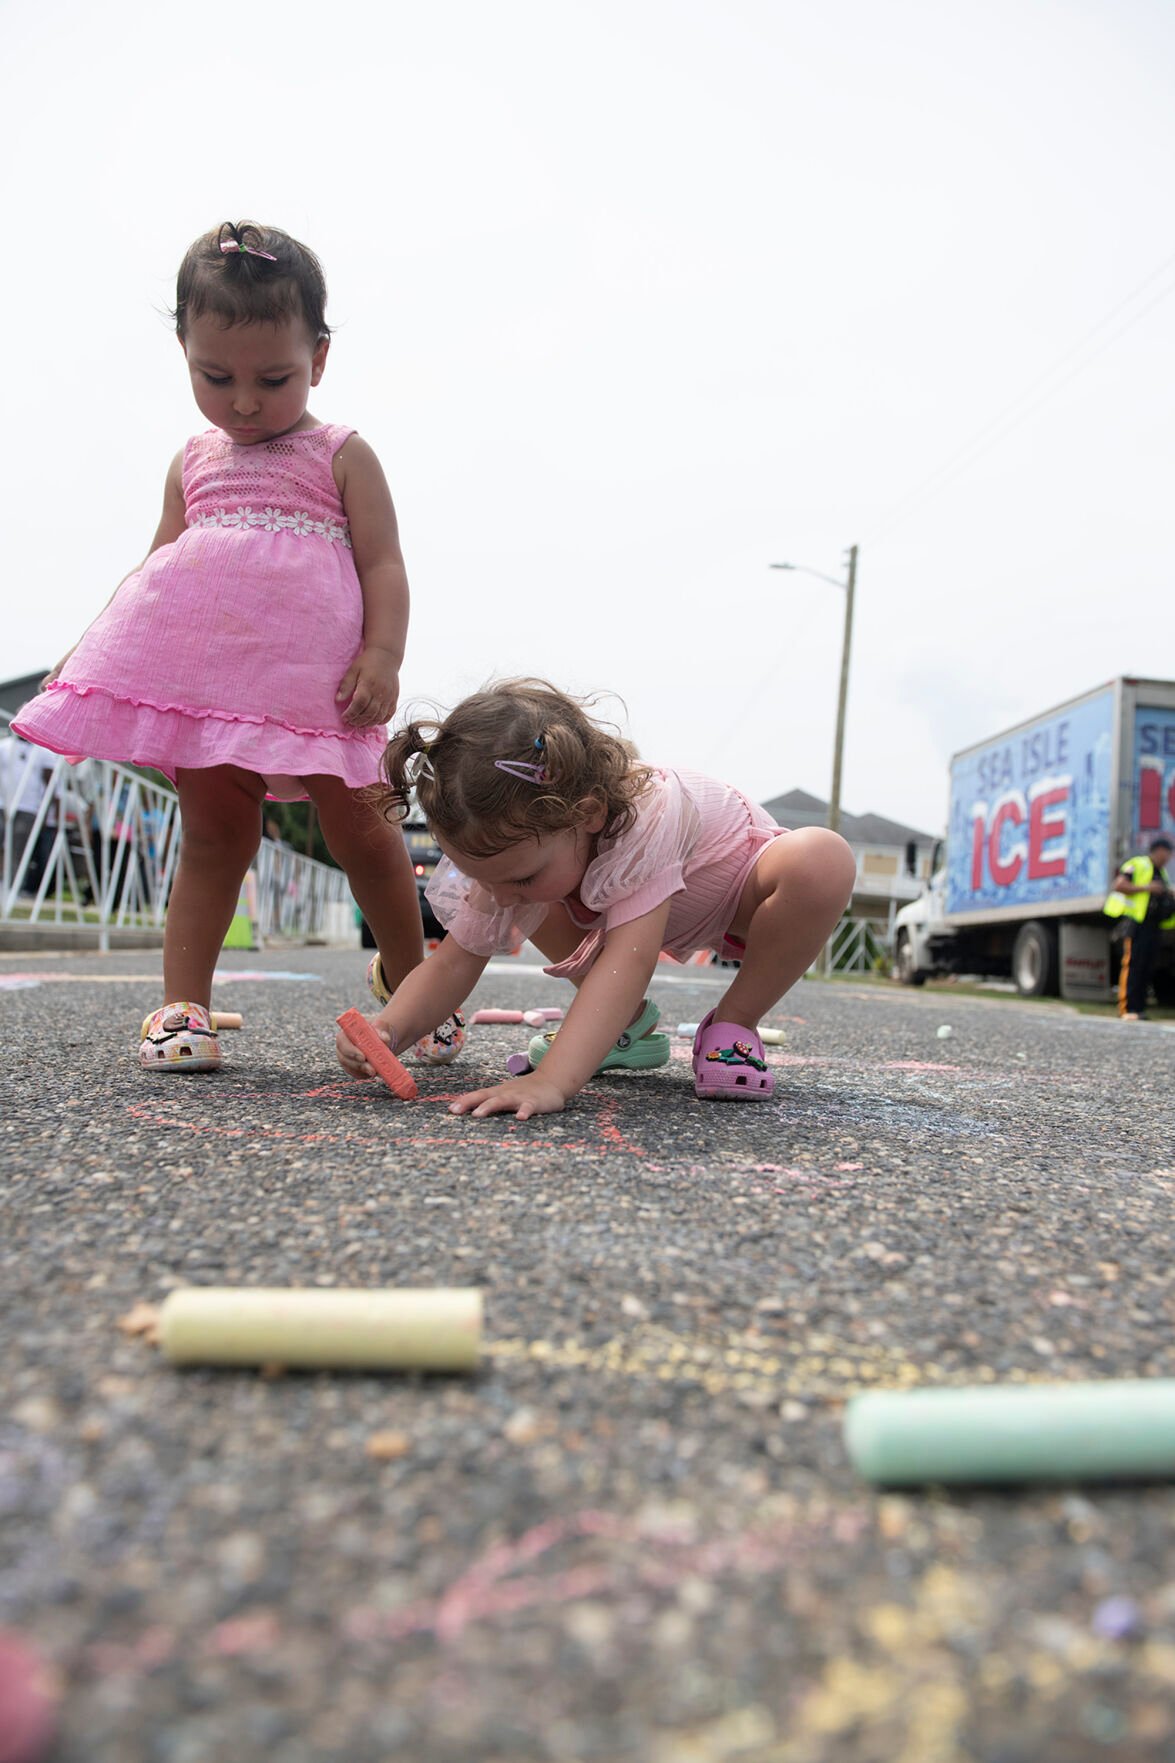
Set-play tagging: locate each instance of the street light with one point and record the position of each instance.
(848, 587)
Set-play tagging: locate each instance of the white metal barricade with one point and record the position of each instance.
(96, 844)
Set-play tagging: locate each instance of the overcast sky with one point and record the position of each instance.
(633, 298)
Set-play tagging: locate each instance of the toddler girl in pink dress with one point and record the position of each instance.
(554, 831)
(257, 649)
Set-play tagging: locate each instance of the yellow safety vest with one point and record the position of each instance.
(1142, 873)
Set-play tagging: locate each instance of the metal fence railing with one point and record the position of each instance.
(96, 844)
(859, 945)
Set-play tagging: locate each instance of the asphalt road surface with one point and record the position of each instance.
(635, 1533)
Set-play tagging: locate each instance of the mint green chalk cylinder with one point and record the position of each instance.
(1111, 1431)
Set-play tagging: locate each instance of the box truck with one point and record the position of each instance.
(1040, 818)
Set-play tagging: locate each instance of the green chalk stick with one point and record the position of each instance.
(1110, 1431)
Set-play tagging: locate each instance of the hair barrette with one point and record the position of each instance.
(531, 771)
(229, 245)
(522, 768)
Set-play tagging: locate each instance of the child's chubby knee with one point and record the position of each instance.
(838, 853)
(818, 862)
(834, 868)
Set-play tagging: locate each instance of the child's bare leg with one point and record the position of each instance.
(790, 905)
(373, 855)
(558, 938)
(220, 820)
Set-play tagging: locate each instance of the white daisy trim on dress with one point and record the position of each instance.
(272, 520)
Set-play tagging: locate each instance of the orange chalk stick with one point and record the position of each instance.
(378, 1054)
(227, 1019)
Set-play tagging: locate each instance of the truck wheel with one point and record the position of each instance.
(903, 963)
(1034, 960)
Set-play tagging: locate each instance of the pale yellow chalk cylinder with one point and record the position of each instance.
(409, 1329)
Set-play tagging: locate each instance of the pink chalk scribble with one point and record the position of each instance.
(608, 1136)
(668, 1555)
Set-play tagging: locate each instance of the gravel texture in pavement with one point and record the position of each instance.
(634, 1534)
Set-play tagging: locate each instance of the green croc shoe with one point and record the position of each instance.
(637, 1049)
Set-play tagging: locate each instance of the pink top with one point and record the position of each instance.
(228, 646)
(694, 841)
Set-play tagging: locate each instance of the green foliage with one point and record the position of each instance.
(297, 826)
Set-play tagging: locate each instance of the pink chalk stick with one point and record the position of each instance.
(28, 1701)
(497, 1016)
(378, 1054)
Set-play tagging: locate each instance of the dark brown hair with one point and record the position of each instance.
(240, 287)
(480, 809)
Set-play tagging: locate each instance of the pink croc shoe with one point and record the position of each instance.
(728, 1063)
(180, 1037)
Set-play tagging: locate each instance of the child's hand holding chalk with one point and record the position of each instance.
(363, 1052)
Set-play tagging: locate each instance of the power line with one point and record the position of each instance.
(1020, 409)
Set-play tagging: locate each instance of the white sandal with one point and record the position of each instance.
(179, 1037)
(444, 1044)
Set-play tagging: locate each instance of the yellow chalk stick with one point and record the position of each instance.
(411, 1329)
(227, 1019)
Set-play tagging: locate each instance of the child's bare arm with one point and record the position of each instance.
(172, 522)
(173, 518)
(430, 993)
(605, 1004)
(372, 682)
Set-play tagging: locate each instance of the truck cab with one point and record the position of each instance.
(920, 925)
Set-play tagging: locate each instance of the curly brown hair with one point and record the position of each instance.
(482, 810)
(245, 287)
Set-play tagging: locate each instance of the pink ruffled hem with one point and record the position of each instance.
(88, 723)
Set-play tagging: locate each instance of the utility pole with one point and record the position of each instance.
(838, 749)
(848, 588)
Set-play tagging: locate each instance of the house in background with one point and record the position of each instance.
(893, 861)
(16, 692)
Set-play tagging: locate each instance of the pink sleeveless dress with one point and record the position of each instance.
(228, 646)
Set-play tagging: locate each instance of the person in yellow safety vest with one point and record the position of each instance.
(1143, 897)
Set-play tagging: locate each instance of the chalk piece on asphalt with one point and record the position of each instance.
(227, 1019)
(1107, 1431)
(378, 1054)
(518, 1065)
(1116, 1617)
(496, 1016)
(772, 1037)
(540, 1018)
(141, 1319)
(28, 1700)
(687, 1029)
(408, 1330)
(945, 1032)
(385, 1447)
